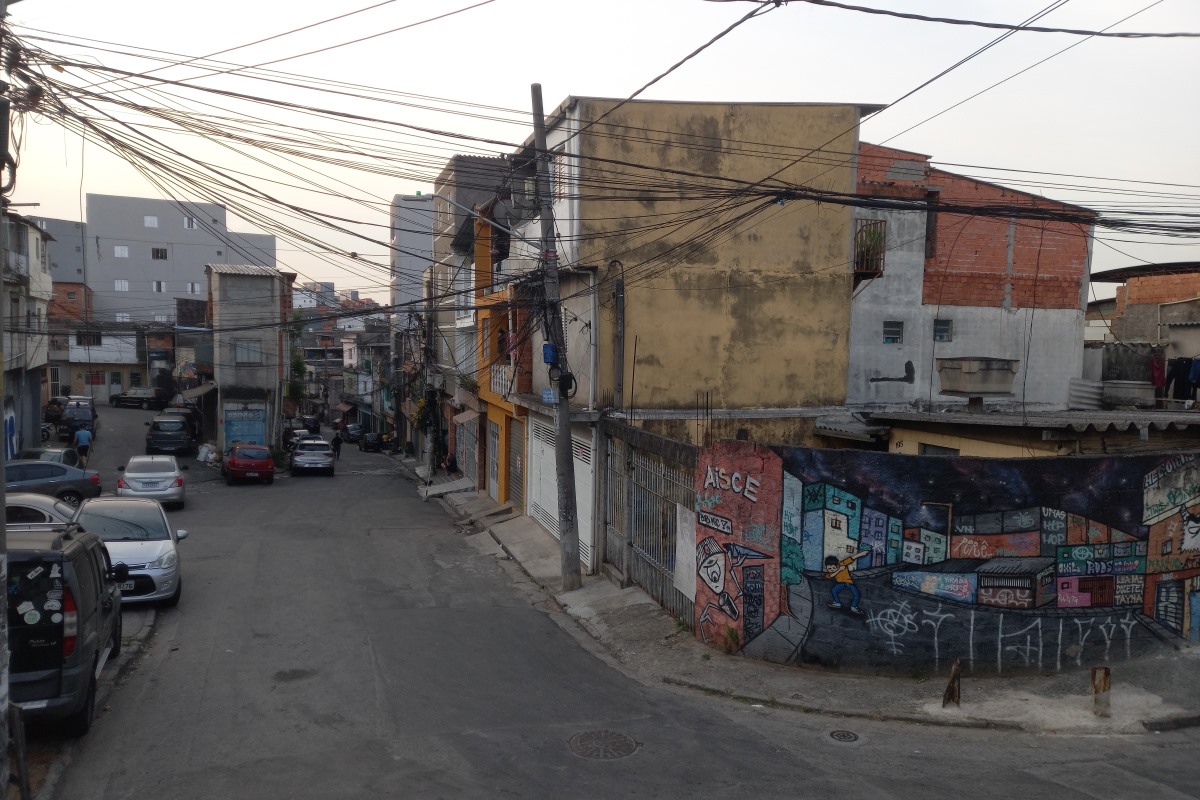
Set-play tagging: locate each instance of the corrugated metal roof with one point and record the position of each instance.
(1011, 565)
(846, 426)
(1078, 421)
(243, 269)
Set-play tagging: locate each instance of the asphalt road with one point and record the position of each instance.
(338, 638)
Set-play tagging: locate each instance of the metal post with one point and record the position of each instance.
(568, 528)
(4, 164)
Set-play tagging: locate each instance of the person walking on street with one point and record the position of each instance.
(83, 444)
(337, 446)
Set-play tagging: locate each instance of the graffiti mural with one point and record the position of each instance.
(854, 559)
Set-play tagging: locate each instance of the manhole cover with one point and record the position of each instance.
(843, 736)
(602, 744)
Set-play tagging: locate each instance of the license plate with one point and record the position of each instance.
(127, 586)
(251, 474)
(151, 484)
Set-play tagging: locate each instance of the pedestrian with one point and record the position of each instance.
(83, 444)
(337, 445)
(451, 464)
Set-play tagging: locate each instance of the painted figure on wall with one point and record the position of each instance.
(712, 568)
(1191, 530)
(839, 572)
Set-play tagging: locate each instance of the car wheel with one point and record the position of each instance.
(118, 630)
(81, 721)
(71, 498)
(229, 481)
(173, 600)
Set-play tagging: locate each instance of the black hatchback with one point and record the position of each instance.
(370, 443)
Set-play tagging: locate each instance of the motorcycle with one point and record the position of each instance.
(47, 431)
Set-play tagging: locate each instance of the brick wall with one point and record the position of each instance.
(1161, 289)
(65, 307)
(971, 266)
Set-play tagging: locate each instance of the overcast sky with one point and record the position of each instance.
(1109, 111)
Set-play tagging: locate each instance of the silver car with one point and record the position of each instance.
(311, 454)
(136, 532)
(157, 477)
(24, 507)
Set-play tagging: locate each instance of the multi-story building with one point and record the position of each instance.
(249, 312)
(143, 254)
(27, 291)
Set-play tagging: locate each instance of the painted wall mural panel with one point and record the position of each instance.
(885, 562)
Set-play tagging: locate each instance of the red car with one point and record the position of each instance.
(248, 462)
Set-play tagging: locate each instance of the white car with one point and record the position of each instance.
(136, 533)
(311, 454)
(157, 477)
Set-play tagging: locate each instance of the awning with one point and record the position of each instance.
(196, 391)
(344, 407)
(849, 427)
(466, 416)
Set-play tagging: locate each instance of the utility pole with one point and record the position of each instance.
(568, 528)
(5, 188)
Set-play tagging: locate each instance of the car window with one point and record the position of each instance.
(312, 446)
(168, 425)
(124, 523)
(78, 413)
(147, 467)
(256, 453)
(24, 514)
(16, 473)
(42, 472)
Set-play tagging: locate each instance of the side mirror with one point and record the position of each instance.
(120, 572)
(120, 469)
(183, 466)
(147, 424)
(181, 534)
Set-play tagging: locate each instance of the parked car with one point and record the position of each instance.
(58, 455)
(311, 424)
(371, 443)
(136, 532)
(311, 454)
(353, 432)
(69, 484)
(169, 434)
(144, 397)
(64, 621)
(248, 462)
(191, 416)
(76, 416)
(157, 477)
(33, 508)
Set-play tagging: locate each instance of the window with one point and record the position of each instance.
(893, 332)
(135, 379)
(558, 174)
(247, 351)
(94, 379)
(158, 253)
(120, 286)
(122, 316)
(1166, 548)
(189, 223)
(193, 287)
(55, 382)
(159, 286)
(70, 295)
(87, 338)
(870, 243)
(943, 330)
(836, 523)
(161, 318)
(936, 450)
(150, 221)
(120, 251)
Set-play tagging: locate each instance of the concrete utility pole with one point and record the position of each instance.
(568, 528)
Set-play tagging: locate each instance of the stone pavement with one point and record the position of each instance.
(1150, 694)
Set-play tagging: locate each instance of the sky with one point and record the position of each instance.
(1119, 116)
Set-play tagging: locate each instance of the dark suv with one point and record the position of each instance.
(169, 434)
(64, 621)
(76, 416)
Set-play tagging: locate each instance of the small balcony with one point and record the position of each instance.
(503, 377)
(977, 376)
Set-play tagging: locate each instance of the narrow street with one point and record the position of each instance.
(338, 638)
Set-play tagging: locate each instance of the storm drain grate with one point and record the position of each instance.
(602, 744)
(843, 736)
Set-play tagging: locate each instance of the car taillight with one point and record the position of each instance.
(121, 484)
(95, 478)
(70, 622)
(178, 481)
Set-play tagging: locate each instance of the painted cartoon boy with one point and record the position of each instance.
(839, 573)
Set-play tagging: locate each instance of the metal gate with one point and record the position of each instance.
(644, 494)
(466, 449)
(516, 464)
(493, 460)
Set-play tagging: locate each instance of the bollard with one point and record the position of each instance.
(1101, 683)
(951, 695)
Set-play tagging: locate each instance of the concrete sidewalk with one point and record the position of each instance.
(1150, 694)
